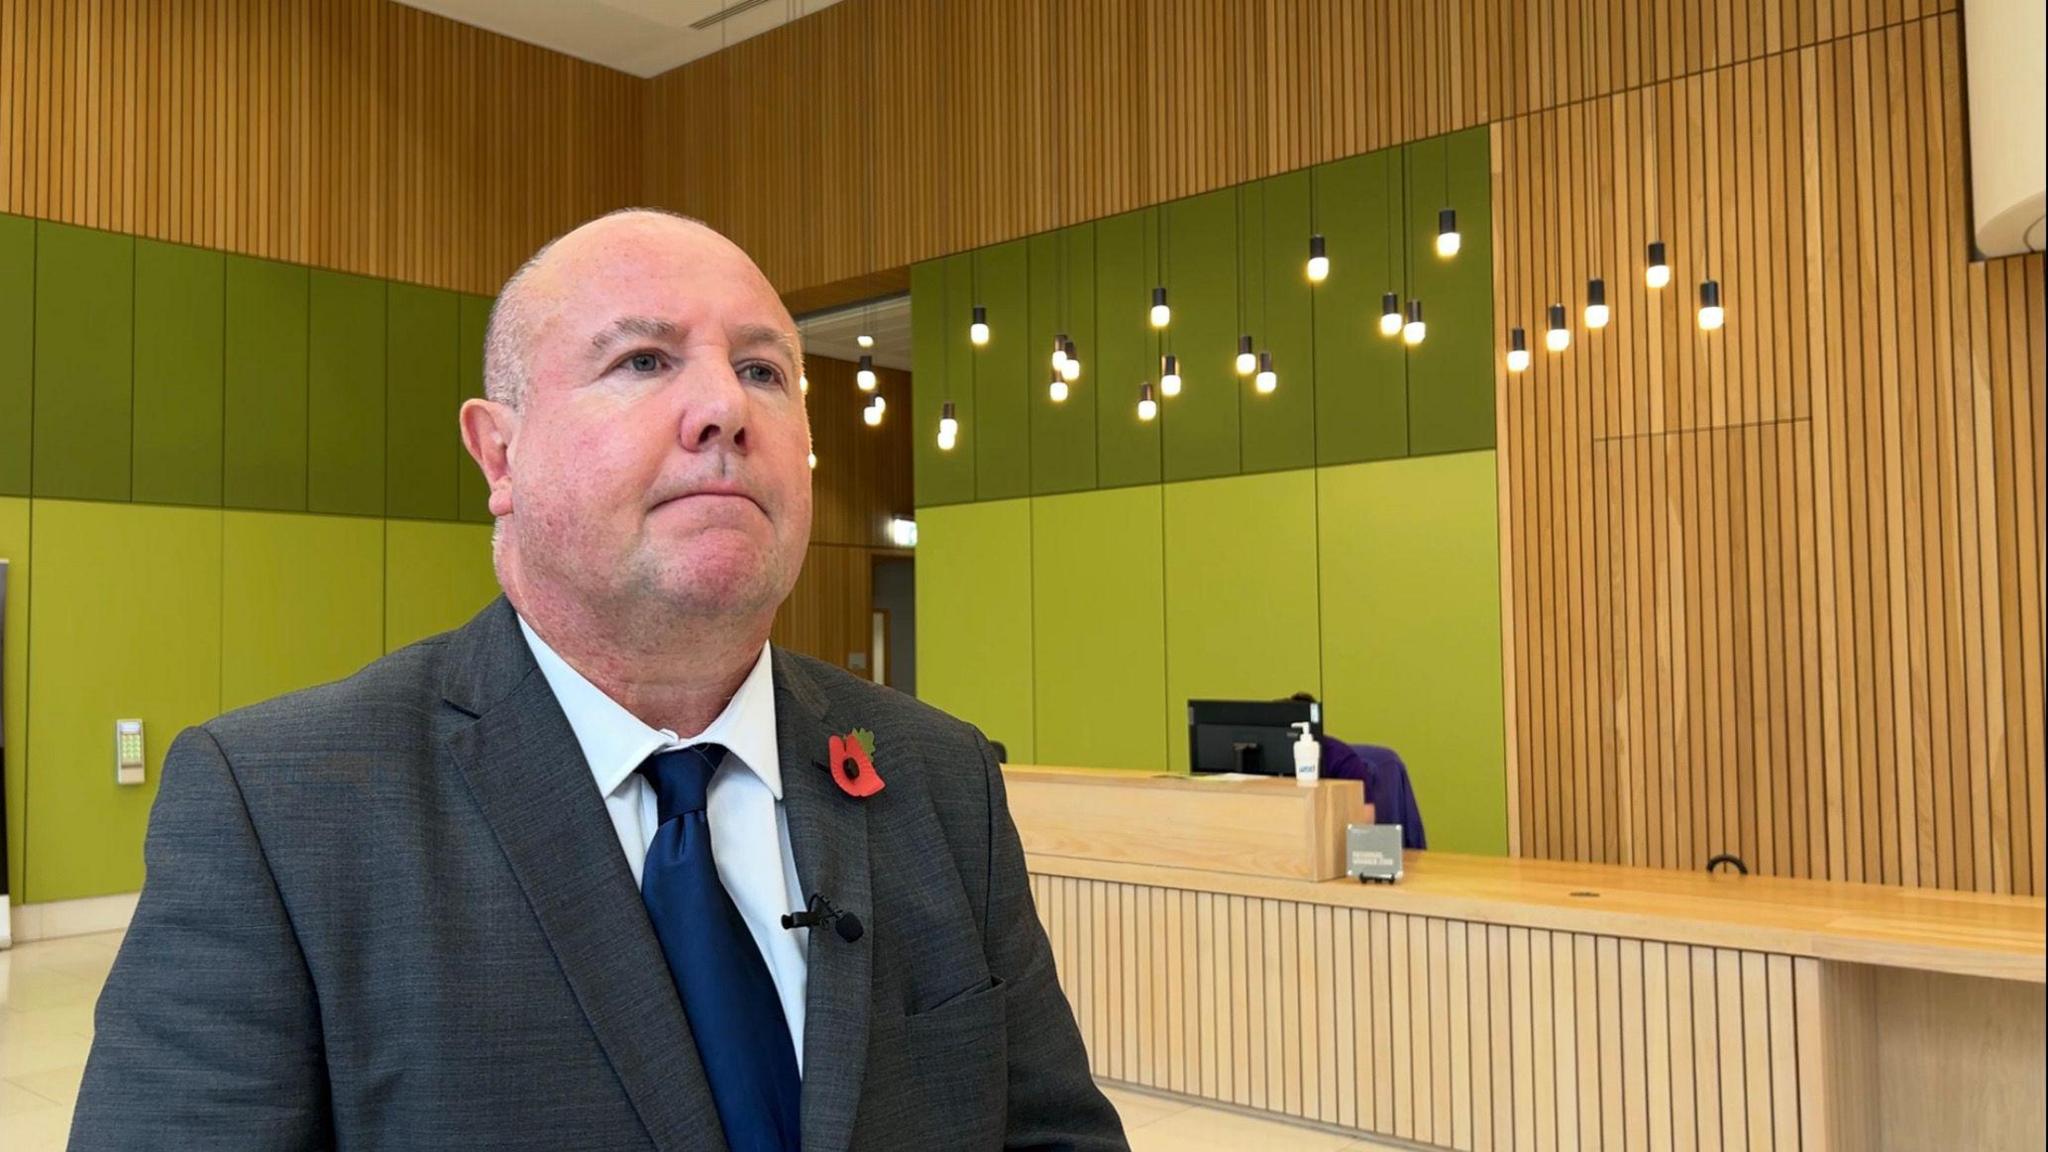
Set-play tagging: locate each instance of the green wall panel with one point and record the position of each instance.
(997, 280)
(14, 539)
(1450, 374)
(1411, 633)
(974, 587)
(265, 436)
(1063, 442)
(345, 395)
(1361, 376)
(436, 576)
(938, 477)
(126, 624)
(1279, 429)
(422, 393)
(84, 356)
(302, 602)
(473, 494)
(1200, 427)
(1099, 628)
(17, 351)
(1241, 611)
(180, 358)
(1126, 269)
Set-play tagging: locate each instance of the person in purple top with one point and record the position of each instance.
(1385, 778)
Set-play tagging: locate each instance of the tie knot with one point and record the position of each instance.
(682, 778)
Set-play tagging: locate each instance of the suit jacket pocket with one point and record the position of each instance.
(958, 1062)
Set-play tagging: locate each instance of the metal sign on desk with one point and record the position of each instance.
(1372, 852)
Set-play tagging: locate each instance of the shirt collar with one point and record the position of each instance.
(615, 742)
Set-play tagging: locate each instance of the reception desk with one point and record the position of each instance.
(1490, 1004)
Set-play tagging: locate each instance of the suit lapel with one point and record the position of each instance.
(828, 830)
(523, 765)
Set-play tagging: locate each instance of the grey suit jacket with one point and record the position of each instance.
(392, 912)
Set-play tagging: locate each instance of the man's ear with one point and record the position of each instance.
(487, 430)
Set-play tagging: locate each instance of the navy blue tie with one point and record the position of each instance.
(727, 993)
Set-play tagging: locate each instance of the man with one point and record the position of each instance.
(522, 885)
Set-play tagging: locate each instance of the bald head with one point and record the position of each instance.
(532, 295)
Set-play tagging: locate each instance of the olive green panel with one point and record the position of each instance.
(126, 624)
(1411, 633)
(345, 396)
(180, 362)
(939, 477)
(473, 493)
(1279, 427)
(998, 281)
(1361, 375)
(974, 618)
(14, 539)
(1126, 270)
(1200, 426)
(302, 601)
(84, 358)
(1099, 628)
(1063, 435)
(422, 393)
(436, 576)
(17, 353)
(265, 436)
(1450, 374)
(1241, 593)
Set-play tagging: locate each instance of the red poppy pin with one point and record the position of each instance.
(853, 764)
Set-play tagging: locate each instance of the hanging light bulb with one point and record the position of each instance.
(1596, 303)
(1711, 316)
(949, 427)
(1169, 380)
(1147, 406)
(1266, 380)
(1059, 351)
(1447, 239)
(1070, 364)
(948, 443)
(978, 331)
(1390, 314)
(803, 385)
(879, 405)
(1057, 389)
(1658, 274)
(1161, 314)
(864, 340)
(871, 416)
(813, 459)
(1246, 362)
(1559, 337)
(1318, 260)
(1518, 349)
(1414, 330)
(866, 376)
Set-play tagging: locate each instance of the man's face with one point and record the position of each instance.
(659, 458)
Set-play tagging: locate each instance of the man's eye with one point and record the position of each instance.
(760, 374)
(644, 362)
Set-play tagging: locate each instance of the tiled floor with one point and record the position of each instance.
(47, 990)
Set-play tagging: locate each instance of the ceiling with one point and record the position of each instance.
(833, 333)
(642, 37)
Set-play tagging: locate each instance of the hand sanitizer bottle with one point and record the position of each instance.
(1308, 757)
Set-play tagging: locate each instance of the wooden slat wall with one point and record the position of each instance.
(985, 120)
(1776, 590)
(360, 135)
(1444, 1032)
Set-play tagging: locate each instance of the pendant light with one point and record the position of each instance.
(1711, 315)
(1318, 255)
(1247, 361)
(1390, 302)
(1059, 351)
(803, 384)
(1161, 314)
(978, 330)
(865, 377)
(812, 459)
(1070, 365)
(1657, 273)
(1596, 303)
(1056, 389)
(1518, 349)
(949, 427)
(1266, 380)
(1169, 378)
(864, 340)
(1147, 406)
(1448, 241)
(872, 414)
(1318, 260)
(1390, 314)
(1414, 330)
(1558, 337)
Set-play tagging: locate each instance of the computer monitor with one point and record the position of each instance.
(1253, 736)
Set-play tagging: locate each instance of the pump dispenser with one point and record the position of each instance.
(1308, 757)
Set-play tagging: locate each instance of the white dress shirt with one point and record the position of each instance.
(749, 828)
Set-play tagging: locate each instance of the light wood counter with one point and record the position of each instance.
(1492, 1003)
